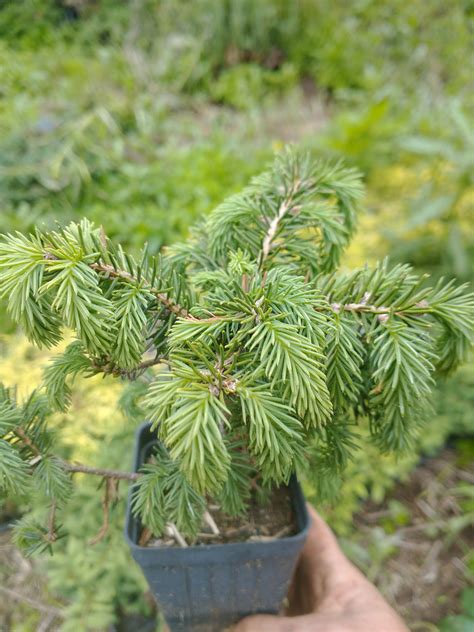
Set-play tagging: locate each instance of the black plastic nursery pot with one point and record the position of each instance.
(206, 588)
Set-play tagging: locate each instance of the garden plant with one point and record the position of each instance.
(253, 351)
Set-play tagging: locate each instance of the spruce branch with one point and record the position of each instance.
(27, 441)
(284, 208)
(147, 364)
(266, 354)
(148, 497)
(51, 478)
(275, 433)
(345, 357)
(184, 506)
(63, 369)
(75, 467)
(33, 538)
(99, 471)
(193, 433)
(110, 272)
(298, 213)
(13, 470)
(289, 358)
(235, 492)
(402, 362)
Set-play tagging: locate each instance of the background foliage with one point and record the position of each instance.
(141, 115)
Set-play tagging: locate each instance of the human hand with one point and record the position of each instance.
(328, 594)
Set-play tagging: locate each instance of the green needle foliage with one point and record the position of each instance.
(252, 353)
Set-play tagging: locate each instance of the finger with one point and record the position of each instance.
(338, 586)
(321, 550)
(261, 623)
(269, 623)
(323, 569)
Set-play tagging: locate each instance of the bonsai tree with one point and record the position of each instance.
(255, 355)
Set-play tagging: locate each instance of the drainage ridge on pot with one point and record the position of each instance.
(208, 587)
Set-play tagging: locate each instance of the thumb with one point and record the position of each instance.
(269, 623)
(262, 623)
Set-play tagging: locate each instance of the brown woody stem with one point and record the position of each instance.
(109, 494)
(51, 522)
(110, 271)
(170, 305)
(27, 441)
(78, 467)
(285, 206)
(99, 471)
(146, 364)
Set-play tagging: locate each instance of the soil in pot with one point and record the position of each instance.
(267, 519)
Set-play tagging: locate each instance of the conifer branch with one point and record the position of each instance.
(268, 354)
(285, 207)
(110, 368)
(111, 272)
(99, 471)
(77, 467)
(147, 364)
(421, 308)
(27, 441)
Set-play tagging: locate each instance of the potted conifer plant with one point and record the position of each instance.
(255, 356)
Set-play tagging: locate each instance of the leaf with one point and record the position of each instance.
(402, 360)
(183, 505)
(76, 295)
(295, 365)
(63, 367)
(52, 480)
(275, 435)
(10, 415)
(22, 266)
(130, 303)
(345, 357)
(193, 433)
(148, 497)
(236, 489)
(14, 472)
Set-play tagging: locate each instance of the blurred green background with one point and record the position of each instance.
(143, 114)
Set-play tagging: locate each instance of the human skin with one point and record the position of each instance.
(328, 594)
